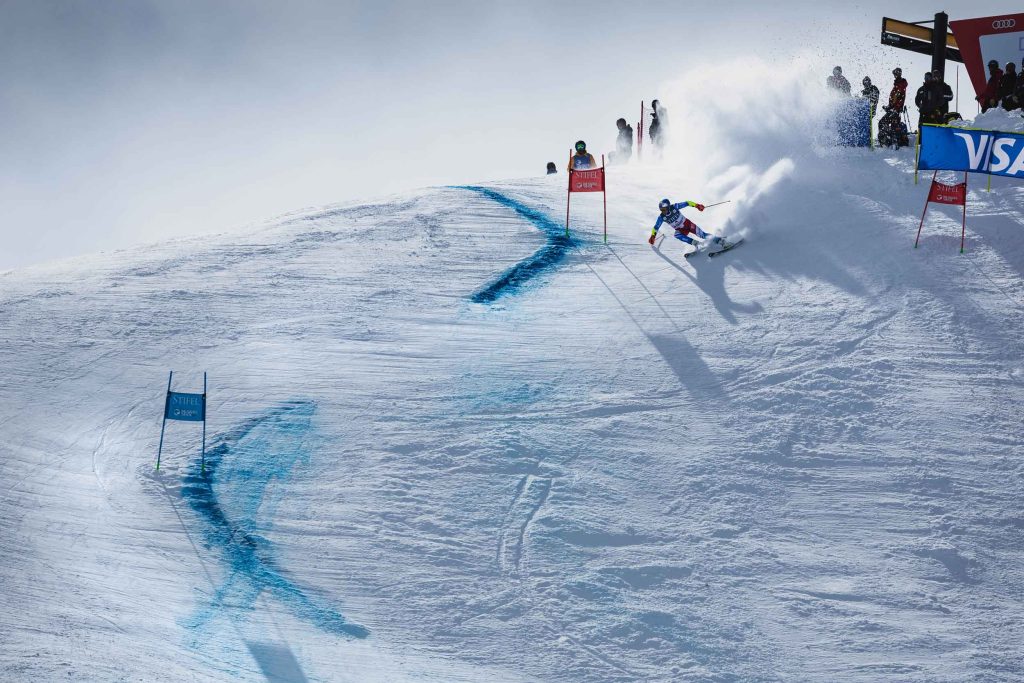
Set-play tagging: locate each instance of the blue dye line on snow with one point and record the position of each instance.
(239, 469)
(549, 256)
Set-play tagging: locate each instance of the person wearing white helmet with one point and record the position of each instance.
(685, 229)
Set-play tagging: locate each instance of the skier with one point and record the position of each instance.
(837, 82)
(582, 159)
(671, 214)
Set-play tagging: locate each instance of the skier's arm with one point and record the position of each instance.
(683, 205)
(654, 232)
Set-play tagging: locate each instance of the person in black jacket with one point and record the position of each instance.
(659, 126)
(925, 101)
(871, 94)
(943, 96)
(1018, 94)
(1008, 88)
(623, 143)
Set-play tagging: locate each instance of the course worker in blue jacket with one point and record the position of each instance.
(582, 159)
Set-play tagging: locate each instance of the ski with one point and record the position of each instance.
(731, 246)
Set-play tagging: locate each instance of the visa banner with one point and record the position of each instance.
(944, 148)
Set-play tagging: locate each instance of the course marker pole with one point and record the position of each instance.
(568, 197)
(203, 454)
(963, 225)
(604, 196)
(923, 213)
(163, 424)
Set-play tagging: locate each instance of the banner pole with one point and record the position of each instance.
(604, 195)
(163, 424)
(988, 167)
(925, 212)
(963, 225)
(202, 466)
(917, 155)
(568, 199)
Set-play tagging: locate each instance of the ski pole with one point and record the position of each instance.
(708, 206)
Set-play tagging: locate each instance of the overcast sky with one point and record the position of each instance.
(130, 121)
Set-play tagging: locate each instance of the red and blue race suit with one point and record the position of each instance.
(684, 226)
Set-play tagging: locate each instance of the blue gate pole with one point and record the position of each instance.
(164, 423)
(203, 461)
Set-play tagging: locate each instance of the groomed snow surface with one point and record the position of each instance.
(801, 461)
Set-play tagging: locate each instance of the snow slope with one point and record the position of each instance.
(429, 461)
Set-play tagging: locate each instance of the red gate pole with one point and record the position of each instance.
(568, 197)
(604, 195)
(923, 213)
(640, 134)
(963, 225)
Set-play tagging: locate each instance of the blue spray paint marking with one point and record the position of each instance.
(542, 261)
(239, 470)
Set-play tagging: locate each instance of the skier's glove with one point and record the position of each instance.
(700, 207)
(651, 240)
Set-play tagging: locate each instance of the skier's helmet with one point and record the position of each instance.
(897, 72)
(866, 81)
(837, 71)
(581, 146)
(664, 205)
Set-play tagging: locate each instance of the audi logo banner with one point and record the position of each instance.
(986, 38)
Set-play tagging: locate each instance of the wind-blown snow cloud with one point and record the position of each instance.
(128, 122)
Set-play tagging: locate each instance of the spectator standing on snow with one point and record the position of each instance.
(552, 168)
(925, 99)
(837, 82)
(871, 94)
(943, 96)
(1018, 94)
(990, 97)
(582, 159)
(659, 126)
(1008, 87)
(623, 143)
(898, 94)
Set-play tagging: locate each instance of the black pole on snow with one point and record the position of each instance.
(939, 31)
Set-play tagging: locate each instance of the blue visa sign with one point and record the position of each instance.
(978, 151)
(188, 407)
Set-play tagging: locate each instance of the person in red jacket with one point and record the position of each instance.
(898, 94)
(990, 98)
